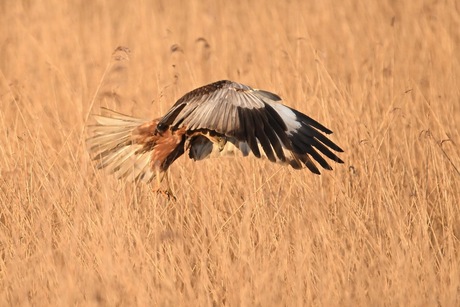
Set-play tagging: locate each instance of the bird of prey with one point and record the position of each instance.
(218, 119)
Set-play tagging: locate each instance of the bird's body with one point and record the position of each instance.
(222, 118)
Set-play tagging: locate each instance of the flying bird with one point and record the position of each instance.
(219, 119)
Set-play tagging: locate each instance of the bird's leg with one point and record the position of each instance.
(167, 193)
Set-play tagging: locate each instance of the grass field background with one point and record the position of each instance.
(380, 230)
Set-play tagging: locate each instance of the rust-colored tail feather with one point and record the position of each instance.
(113, 146)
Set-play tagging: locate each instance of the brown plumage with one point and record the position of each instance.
(222, 118)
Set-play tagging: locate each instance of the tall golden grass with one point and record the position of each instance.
(382, 229)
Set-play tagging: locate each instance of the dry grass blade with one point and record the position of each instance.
(382, 229)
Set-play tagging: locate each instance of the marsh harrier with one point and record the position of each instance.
(222, 118)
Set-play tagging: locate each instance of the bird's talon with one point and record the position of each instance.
(170, 195)
(167, 193)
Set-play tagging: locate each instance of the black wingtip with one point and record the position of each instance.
(307, 120)
(315, 171)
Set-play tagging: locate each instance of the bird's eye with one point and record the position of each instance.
(161, 127)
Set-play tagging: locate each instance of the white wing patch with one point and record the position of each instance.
(288, 116)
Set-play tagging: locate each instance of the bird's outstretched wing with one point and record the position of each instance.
(249, 120)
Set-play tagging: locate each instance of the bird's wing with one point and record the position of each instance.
(252, 120)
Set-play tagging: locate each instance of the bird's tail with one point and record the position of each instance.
(114, 143)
